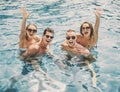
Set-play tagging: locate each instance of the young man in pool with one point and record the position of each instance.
(38, 49)
(71, 46)
(43, 46)
(88, 36)
(28, 34)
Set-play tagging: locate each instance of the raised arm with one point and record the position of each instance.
(96, 26)
(23, 27)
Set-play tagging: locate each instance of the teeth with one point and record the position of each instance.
(47, 41)
(70, 42)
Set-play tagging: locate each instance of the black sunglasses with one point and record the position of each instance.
(86, 28)
(69, 37)
(47, 36)
(30, 30)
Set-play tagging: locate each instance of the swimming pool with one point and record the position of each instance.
(60, 15)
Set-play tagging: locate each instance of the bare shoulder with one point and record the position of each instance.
(37, 38)
(78, 35)
(64, 43)
(34, 47)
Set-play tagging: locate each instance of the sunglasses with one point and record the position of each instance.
(47, 36)
(86, 28)
(30, 30)
(70, 37)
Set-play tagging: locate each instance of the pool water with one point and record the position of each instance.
(61, 15)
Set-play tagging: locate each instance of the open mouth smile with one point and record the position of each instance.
(86, 33)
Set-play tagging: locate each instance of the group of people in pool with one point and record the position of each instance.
(78, 44)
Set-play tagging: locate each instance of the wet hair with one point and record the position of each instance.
(29, 25)
(48, 30)
(70, 30)
(91, 28)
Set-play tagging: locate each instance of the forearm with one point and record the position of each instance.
(23, 27)
(97, 23)
(25, 16)
(96, 27)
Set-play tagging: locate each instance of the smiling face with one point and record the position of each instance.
(31, 29)
(71, 38)
(47, 37)
(86, 31)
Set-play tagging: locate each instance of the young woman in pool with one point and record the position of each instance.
(88, 35)
(28, 34)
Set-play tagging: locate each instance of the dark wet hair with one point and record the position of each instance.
(48, 30)
(29, 25)
(91, 28)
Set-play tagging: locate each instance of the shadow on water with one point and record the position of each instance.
(11, 90)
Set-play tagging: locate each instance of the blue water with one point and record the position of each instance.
(60, 15)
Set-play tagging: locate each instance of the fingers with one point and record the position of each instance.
(98, 9)
(23, 9)
(98, 12)
(24, 12)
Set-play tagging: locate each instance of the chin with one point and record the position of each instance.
(47, 43)
(87, 35)
(70, 45)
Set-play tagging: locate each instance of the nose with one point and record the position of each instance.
(49, 38)
(31, 32)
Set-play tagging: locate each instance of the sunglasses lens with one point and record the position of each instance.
(73, 37)
(51, 37)
(86, 28)
(70, 37)
(30, 30)
(34, 31)
(47, 36)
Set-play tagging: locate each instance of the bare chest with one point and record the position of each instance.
(42, 50)
(27, 43)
